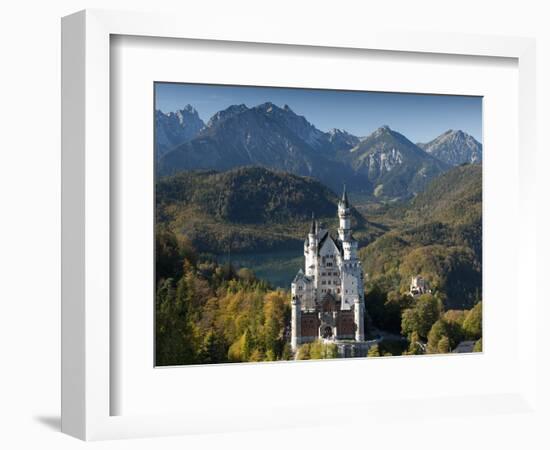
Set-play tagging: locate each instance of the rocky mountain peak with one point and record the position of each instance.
(175, 128)
(225, 114)
(454, 147)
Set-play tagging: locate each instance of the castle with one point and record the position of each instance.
(328, 297)
(419, 286)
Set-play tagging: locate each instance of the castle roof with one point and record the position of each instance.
(322, 236)
(301, 276)
(327, 235)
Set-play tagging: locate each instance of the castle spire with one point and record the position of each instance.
(313, 226)
(345, 197)
(344, 232)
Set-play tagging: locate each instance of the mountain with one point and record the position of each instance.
(266, 136)
(385, 164)
(454, 197)
(175, 128)
(298, 125)
(246, 209)
(341, 140)
(225, 114)
(454, 147)
(395, 166)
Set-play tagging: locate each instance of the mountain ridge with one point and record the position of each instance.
(174, 128)
(454, 147)
(393, 164)
(266, 136)
(385, 164)
(221, 210)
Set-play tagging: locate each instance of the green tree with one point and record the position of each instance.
(213, 350)
(437, 332)
(415, 345)
(373, 351)
(478, 346)
(420, 318)
(443, 346)
(320, 350)
(303, 352)
(173, 337)
(473, 322)
(246, 349)
(450, 330)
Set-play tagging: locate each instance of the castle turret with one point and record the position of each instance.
(358, 314)
(296, 323)
(310, 252)
(344, 214)
(312, 236)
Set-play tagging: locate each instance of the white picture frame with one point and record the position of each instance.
(87, 386)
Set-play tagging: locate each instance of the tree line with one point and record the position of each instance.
(210, 313)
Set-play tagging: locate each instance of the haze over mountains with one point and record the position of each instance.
(385, 164)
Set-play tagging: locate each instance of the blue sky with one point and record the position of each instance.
(420, 117)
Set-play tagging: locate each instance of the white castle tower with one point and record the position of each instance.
(328, 296)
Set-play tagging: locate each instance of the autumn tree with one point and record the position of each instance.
(444, 328)
(473, 322)
(427, 309)
(478, 346)
(443, 346)
(416, 347)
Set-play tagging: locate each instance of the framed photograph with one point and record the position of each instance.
(277, 241)
(254, 223)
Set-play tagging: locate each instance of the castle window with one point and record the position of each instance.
(323, 282)
(329, 264)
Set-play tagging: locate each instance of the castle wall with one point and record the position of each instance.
(310, 325)
(346, 325)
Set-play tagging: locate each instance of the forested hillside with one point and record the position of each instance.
(210, 312)
(247, 209)
(436, 235)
